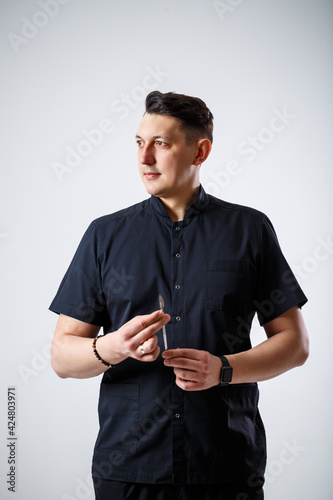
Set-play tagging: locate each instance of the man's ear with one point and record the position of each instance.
(203, 150)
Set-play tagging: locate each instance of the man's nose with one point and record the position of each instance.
(147, 155)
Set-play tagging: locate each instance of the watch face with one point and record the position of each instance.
(226, 374)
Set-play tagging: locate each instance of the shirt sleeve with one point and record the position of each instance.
(80, 294)
(277, 286)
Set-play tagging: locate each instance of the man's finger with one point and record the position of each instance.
(187, 374)
(140, 323)
(182, 353)
(152, 329)
(150, 344)
(148, 356)
(184, 363)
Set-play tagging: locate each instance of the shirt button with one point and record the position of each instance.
(178, 318)
(178, 255)
(177, 228)
(177, 415)
(177, 287)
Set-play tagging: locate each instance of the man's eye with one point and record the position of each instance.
(161, 143)
(139, 143)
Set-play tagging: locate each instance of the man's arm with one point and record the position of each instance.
(72, 354)
(286, 347)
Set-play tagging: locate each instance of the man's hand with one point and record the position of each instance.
(72, 354)
(136, 339)
(195, 370)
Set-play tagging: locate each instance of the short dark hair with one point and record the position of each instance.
(196, 119)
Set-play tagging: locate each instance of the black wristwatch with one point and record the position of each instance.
(226, 371)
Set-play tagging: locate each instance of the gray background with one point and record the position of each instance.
(70, 65)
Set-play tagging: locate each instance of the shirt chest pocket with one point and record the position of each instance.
(226, 283)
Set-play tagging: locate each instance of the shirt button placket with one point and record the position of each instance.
(178, 339)
(177, 276)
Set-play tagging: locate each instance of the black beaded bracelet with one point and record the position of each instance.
(98, 356)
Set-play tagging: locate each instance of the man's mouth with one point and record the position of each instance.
(151, 175)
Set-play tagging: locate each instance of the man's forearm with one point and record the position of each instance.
(287, 346)
(73, 356)
(269, 359)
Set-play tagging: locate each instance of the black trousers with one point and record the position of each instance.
(116, 490)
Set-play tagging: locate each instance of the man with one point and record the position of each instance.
(181, 422)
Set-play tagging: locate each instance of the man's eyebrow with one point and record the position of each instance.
(160, 136)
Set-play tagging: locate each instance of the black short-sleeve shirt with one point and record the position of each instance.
(216, 269)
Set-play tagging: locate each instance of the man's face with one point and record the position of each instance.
(166, 162)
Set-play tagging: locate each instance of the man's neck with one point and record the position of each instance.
(176, 207)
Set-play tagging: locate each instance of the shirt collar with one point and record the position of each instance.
(194, 209)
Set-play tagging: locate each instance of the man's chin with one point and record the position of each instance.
(153, 190)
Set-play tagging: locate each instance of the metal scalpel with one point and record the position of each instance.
(161, 301)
